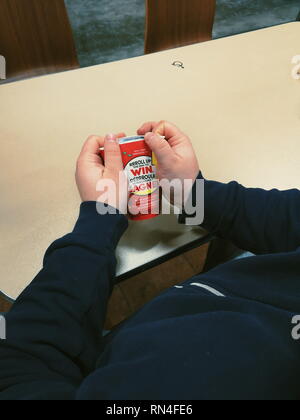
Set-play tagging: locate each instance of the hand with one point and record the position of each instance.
(175, 154)
(101, 182)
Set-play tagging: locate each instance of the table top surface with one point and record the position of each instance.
(235, 97)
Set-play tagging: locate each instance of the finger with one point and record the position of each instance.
(90, 149)
(146, 128)
(121, 135)
(160, 148)
(167, 130)
(113, 157)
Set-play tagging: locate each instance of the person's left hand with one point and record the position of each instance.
(102, 182)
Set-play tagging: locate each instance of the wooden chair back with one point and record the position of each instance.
(176, 23)
(36, 37)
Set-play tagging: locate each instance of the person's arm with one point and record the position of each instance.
(54, 329)
(254, 219)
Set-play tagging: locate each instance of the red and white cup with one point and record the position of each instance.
(140, 169)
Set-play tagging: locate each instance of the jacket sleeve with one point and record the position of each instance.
(54, 329)
(254, 219)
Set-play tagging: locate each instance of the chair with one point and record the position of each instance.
(36, 37)
(176, 23)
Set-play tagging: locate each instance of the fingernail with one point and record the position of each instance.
(111, 137)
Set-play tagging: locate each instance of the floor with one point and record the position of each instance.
(4, 305)
(129, 296)
(107, 31)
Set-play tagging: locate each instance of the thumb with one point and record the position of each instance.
(113, 157)
(160, 147)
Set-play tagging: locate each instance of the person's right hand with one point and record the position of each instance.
(175, 155)
(93, 176)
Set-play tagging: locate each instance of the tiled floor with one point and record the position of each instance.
(106, 30)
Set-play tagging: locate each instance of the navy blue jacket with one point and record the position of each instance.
(226, 334)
